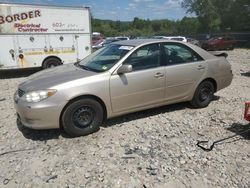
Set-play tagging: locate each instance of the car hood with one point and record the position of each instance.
(54, 76)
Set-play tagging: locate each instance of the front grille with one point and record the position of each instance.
(20, 93)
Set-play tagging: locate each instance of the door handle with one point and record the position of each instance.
(12, 53)
(200, 67)
(159, 75)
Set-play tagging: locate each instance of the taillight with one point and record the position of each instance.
(247, 111)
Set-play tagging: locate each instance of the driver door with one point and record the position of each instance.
(144, 86)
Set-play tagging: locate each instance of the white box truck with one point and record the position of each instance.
(43, 36)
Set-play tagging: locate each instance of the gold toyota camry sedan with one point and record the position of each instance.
(123, 77)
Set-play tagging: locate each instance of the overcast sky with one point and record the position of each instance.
(124, 10)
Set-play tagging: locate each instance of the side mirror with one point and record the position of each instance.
(125, 69)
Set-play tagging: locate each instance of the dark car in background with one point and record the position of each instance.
(107, 41)
(219, 43)
(103, 43)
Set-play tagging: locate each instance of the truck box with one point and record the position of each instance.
(43, 36)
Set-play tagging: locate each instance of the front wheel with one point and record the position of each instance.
(82, 117)
(203, 95)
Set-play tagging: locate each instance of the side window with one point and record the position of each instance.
(145, 57)
(179, 54)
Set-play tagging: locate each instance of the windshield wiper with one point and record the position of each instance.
(85, 67)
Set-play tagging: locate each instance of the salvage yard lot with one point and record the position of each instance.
(152, 148)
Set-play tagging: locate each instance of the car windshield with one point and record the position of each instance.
(104, 58)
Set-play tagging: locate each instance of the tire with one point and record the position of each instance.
(51, 62)
(82, 117)
(203, 95)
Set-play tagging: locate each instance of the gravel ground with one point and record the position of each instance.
(152, 148)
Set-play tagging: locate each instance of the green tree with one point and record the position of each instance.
(220, 15)
(207, 13)
(188, 26)
(240, 15)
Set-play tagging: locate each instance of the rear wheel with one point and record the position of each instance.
(82, 117)
(203, 95)
(51, 62)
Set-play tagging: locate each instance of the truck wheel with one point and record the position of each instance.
(51, 62)
(82, 117)
(203, 95)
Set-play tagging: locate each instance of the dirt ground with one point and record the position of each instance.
(152, 148)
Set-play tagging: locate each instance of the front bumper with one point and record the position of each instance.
(41, 115)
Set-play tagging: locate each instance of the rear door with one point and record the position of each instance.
(184, 69)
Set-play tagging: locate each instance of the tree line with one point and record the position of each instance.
(211, 16)
(142, 27)
(220, 15)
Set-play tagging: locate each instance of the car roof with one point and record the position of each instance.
(138, 42)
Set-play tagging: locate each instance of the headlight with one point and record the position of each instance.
(37, 96)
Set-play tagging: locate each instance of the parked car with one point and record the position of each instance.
(109, 40)
(219, 43)
(123, 77)
(104, 43)
(157, 37)
(96, 40)
(98, 45)
(122, 38)
(194, 41)
(177, 38)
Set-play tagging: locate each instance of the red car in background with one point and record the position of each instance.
(219, 43)
(96, 40)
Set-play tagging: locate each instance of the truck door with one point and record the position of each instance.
(83, 42)
(32, 47)
(7, 52)
(64, 46)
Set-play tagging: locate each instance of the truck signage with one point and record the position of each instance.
(19, 17)
(22, 19)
